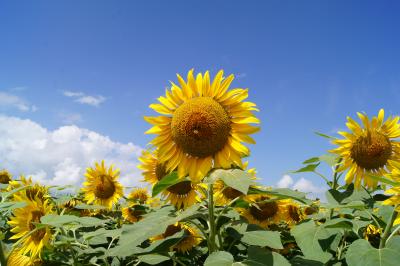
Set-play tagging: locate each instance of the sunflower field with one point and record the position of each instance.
(201, 204)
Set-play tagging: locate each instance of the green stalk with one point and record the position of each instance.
(3, 260)
(211, 217)
(335, 182)
(388, 228)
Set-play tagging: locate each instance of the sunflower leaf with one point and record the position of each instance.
(234, 178)
(219, 258)
(167, 181)
(263, 239)
(308, 168)
(361, 253)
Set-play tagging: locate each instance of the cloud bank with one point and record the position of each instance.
(60, 157)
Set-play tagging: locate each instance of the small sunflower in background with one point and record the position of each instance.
(373, 233)
(263, 210)
(101, 186)
(5, 177)
(294, 213)
(139, 195)
(32, 240)
(133, 213)
(224, 194)
(370, 149)
(191, 237)
(181, 195)
(202, 125)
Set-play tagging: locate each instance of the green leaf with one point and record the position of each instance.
(330, 159)
(324, 135)
(283, 193)
(308, 237)
(167, 181)
(361, 253)
(83, 206)
(262, 257)
(10, 205)
(301, 261)
(219, 258)
(270, 239)
(357, 204)
(384, 180)
(151, 225)
(234, 178)
(311, 160)
(308, 168)
(64, 220)
(153, 259)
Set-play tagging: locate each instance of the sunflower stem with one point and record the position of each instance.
(211, 217)
(3, 260)
(388, 228)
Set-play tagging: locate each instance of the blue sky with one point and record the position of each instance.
(308, 64)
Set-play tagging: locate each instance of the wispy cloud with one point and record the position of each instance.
(8, 100)
(80, 97)
(71, 118)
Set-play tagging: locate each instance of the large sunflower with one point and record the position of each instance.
(370, 149)
(191, 237)
(181, 195)
(101, 186)
(32, 240)
(203, 125)
(263, 210)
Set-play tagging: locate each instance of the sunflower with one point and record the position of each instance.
(203, 125)
(5, 177)
(133, 213)
(139, 195)
(101, 186)
(224, 194)
(370, 149)
(182, 194)
(15, 258)
(263, 210)
(152, 169)
(191, 237)
(32, 240)
(394, 191)
(294, 213)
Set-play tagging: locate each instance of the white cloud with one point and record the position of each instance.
(8, 100)
(60, 157)
(285, 182)
(303, 185)
(82, 98)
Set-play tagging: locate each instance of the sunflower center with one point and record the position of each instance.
(105, 188)
(172, 230)
(161, 171)
(136, 213)
(231, 193)
(264, 210)
(181, 188)
(294, 213)
(4, 179)
(371, 152)
(39, 234)
(200, 127)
